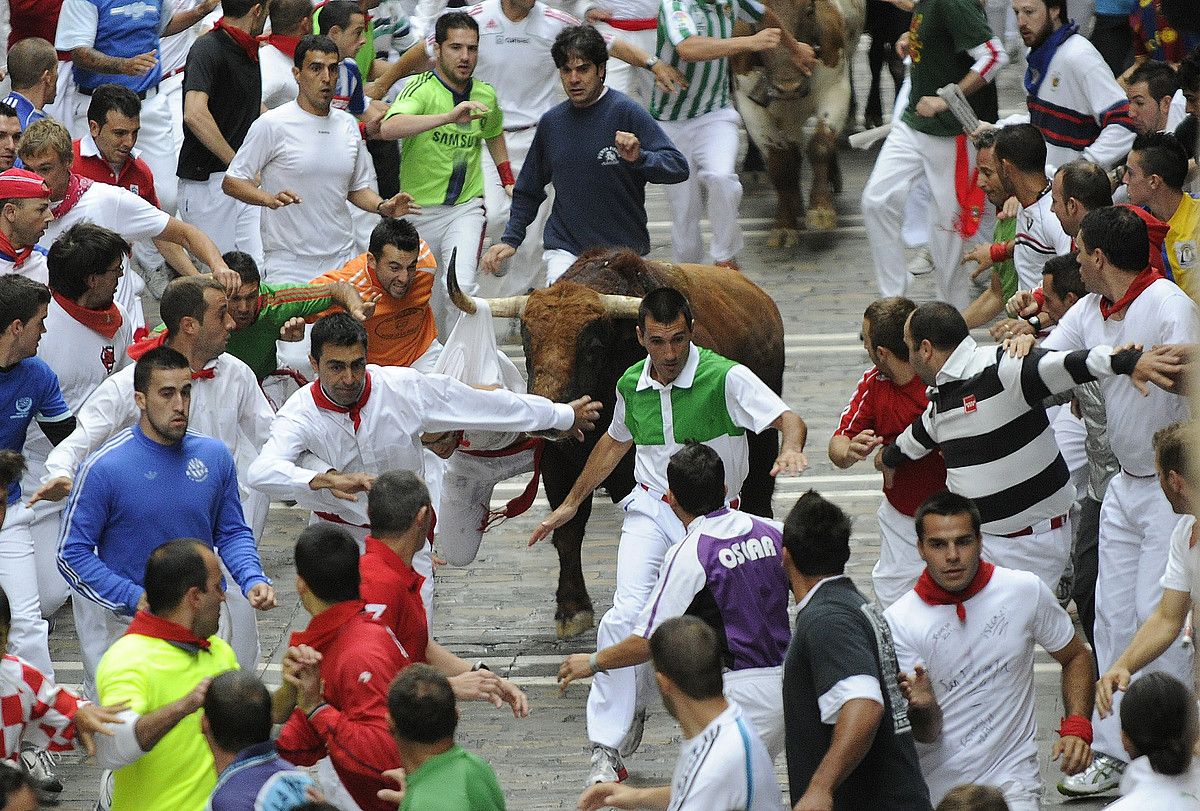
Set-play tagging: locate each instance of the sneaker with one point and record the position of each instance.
(607, 766)
(40, 765)
(728, 263)
(922, 263)
(104, 801)
(633, 738)
(1103, 775)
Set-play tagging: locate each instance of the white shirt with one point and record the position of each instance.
(1183, 562)
(750, 403)
(725, 768)
(1162, 314)
(1143, 789)
(119, 210)
(514, 57)
(32, 268)
(982, 673)
(230, 407)
(622, 9)
(320, 158)
(173, 50)
(83, 359)
(402, 405)
(278, 84)
(1040, 236)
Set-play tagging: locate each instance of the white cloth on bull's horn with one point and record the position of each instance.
(471, 355)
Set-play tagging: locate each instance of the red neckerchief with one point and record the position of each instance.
(933, 594)
(19, 255)
(1144, 279)
(970, 196)
(146, 624)
(245, 40)
(355, 411)
(76, 186)
(141, 347)
(324, 627)
(285, 44)
(106, 321)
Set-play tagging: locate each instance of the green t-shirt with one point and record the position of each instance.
(941, 34)
(1009, 282)
(278, 303)
(442, 166)
(455, 780)
(149, 673)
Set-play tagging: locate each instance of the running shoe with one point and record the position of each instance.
(607, 766)
(1103, 775)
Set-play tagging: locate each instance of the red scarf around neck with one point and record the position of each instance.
(324, 627)
(147, 624)
(106, 321)
(933, 594)
(245, 40)
(355, 411)
(76, 186)
(285, 44)
(19, 255)
(1144, 279)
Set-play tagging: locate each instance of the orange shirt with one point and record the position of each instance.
(402, 329)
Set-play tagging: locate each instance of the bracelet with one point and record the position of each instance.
(506, 174)
(379, 208)
(651, 62)
(1076, 726)
(594, 664)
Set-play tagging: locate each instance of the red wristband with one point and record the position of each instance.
(362, 130)
(1039, 295)
(999, 252)
(1076, 726)
(506, 175)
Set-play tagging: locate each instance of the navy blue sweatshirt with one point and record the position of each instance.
(600, 198)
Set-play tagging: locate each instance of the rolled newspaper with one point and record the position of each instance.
(953, 96)
(866, 138)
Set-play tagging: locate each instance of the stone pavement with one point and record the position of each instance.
(501, 608)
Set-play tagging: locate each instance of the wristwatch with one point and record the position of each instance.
(480, 665)
(1035, 322)
(651, 62)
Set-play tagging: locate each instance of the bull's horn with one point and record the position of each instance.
(461, 300)
(621, 306)
(510, 307)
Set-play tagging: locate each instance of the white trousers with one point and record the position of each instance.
(98, 628)
(167, 190)
(230, 223)
(444, 229)
(907, 156)
(45, 530)
(155, 140)
(899, 563)
(65, 99)
(710, 144)
(637, 83)
(524, 270)
(28, 636)
(1135, 531)
(467, 488)
(649, 530)
(557, 262)
(1044, 552)
(759, 692)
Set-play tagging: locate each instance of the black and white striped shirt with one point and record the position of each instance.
(986, 416)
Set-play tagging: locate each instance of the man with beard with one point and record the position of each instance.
(1004, 283)
(1072, 95)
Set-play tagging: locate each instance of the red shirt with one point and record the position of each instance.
(392, 591)
(887, 409)
(33, 18)
(360, 658)
(135, 175)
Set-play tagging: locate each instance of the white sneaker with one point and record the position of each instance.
(1103, 775)
(633, 738)
(922, 263)
(607, 766)
(104, 801)
(40, 764)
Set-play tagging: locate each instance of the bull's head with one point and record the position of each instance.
(816, 22)
(567, 326)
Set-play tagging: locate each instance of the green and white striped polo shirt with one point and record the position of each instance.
(708, 82)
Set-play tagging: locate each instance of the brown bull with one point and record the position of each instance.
(579, 339)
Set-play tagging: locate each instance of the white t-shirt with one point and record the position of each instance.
(982, 673)
(1162, 314)
(725, 768)
(320, 158)
(119, 210)
(32, 268)
(1040, 236)
(1143, 789)
(278, 84)
(515, 59)
(1183, 563)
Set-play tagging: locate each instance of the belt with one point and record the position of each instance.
(1055, 522)
(733, 505)
(644, 24)
(175, 72)
(63, 56)
(148, 93)
(337, 519)
(521, 129)
(1136, 476)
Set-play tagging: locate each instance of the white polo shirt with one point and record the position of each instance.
(726, 766)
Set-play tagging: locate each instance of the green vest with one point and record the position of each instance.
(698, 412)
